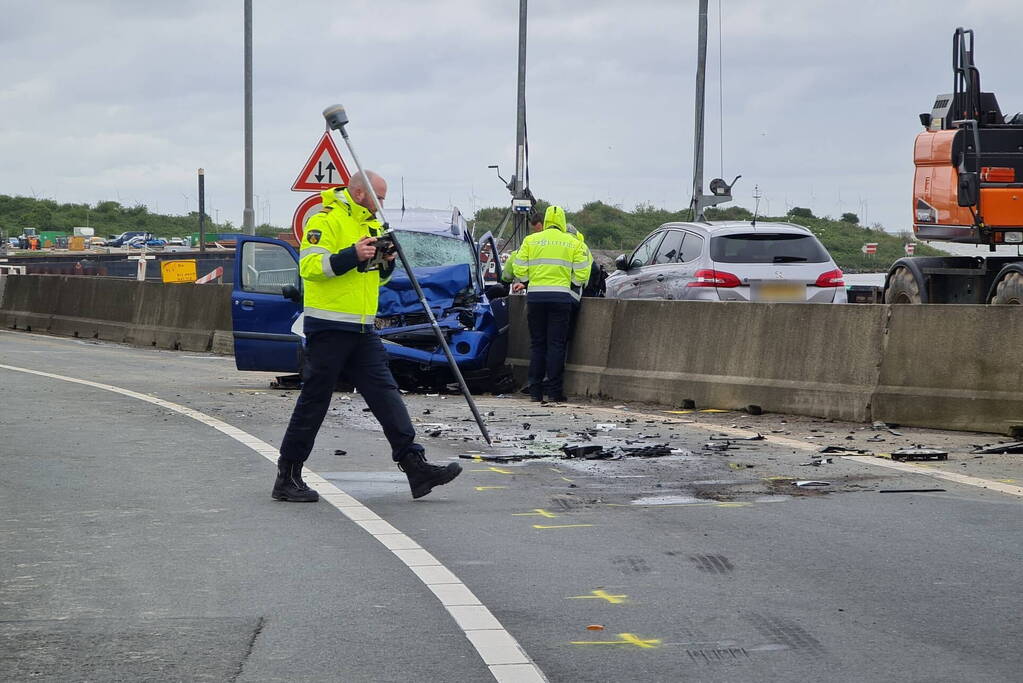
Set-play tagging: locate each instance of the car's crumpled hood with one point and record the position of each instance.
(440, 284)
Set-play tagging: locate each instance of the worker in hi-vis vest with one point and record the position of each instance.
(340, 306)
(549, 264)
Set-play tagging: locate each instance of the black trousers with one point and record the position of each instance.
(362, 358)
(548, 336)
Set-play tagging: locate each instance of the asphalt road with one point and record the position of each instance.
(140, 543)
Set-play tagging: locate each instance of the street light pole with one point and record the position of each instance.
(248, 226)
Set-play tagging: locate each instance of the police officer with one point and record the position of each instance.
(550, 262)
(340, 297)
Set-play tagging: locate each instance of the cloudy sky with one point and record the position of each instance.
(124, 100)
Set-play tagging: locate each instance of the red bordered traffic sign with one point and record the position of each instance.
(309, 207)
(324, 170)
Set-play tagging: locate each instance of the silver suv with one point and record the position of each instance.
(729, 261)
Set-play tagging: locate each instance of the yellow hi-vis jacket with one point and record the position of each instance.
(335, 290)
(552, 261)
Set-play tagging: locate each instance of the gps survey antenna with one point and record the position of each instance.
(337, 119)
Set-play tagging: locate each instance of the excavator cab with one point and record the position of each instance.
(968, 184)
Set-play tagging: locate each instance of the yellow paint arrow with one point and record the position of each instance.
(626, 639)
(537, 512)
(601, 595)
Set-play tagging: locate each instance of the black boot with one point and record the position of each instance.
(422, 476)
(289, 484)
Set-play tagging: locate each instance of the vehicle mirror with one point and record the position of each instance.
(622, 262)
(292, 293)
(969, 189)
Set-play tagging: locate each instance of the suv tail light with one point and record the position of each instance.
(832, 278)
(714, 278)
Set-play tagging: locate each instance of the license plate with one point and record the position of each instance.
(779, 291)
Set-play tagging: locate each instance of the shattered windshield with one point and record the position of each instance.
(425, 250)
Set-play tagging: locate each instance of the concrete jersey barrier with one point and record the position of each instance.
(180, 316)
(946, 367)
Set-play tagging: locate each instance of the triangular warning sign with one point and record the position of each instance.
(324, 170)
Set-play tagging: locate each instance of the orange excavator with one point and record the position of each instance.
(968, 188)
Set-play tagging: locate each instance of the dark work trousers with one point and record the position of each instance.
(548, 333)
(362, 358)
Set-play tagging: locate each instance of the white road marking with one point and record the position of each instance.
(939, 474)
(507, 661)
(862, 459)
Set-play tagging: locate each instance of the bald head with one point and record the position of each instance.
(360, 193)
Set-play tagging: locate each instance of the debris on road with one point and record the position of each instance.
(843, 449)
(911, 491)
(338, 451)
(919, 453)
(1013, 447)
(809, 483)
(817, 463)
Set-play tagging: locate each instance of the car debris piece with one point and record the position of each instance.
(526, 426)
(656, 451)
(810, 483)
(919, 454)
(842, 449)
(817, 463)
(1009, 447)
(719, 446)
(580, 450)
(338, 451)
(756, 437)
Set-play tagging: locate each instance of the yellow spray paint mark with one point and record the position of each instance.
(624, 639)
(715, 410)
(566, 479)
(537, 512)
(559, 526)
(736, 466)
(601, 595)
(1007, 481)
(777, 478)
(679, 412)
(495, 469)
(490, 488)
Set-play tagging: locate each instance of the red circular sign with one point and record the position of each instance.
(308, 208)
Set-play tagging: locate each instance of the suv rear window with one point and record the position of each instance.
(765, 247)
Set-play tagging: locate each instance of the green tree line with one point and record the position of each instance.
(612, 228)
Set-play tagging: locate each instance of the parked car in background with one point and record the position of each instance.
(176, 242)
(729, 261)
(120, 240)
(267, 304)
(145, 241)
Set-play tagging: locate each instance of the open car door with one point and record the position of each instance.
(489, 259)
(261, 316)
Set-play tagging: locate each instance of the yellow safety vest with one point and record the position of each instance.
(552, 260)
(350, 297)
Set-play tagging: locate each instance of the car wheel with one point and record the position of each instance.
(1009, 290)
(902, 288)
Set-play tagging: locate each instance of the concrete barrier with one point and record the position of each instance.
(953, 367)
(950, 367)
(182, 316)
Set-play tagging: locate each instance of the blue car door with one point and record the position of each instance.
(261, 316)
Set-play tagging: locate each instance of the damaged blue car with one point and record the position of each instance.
(266, 305)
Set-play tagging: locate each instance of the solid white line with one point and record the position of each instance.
(507, 661)
(939, 474)
(862, 459)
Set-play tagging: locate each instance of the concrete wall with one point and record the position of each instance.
(951, 367)
(182, 316)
